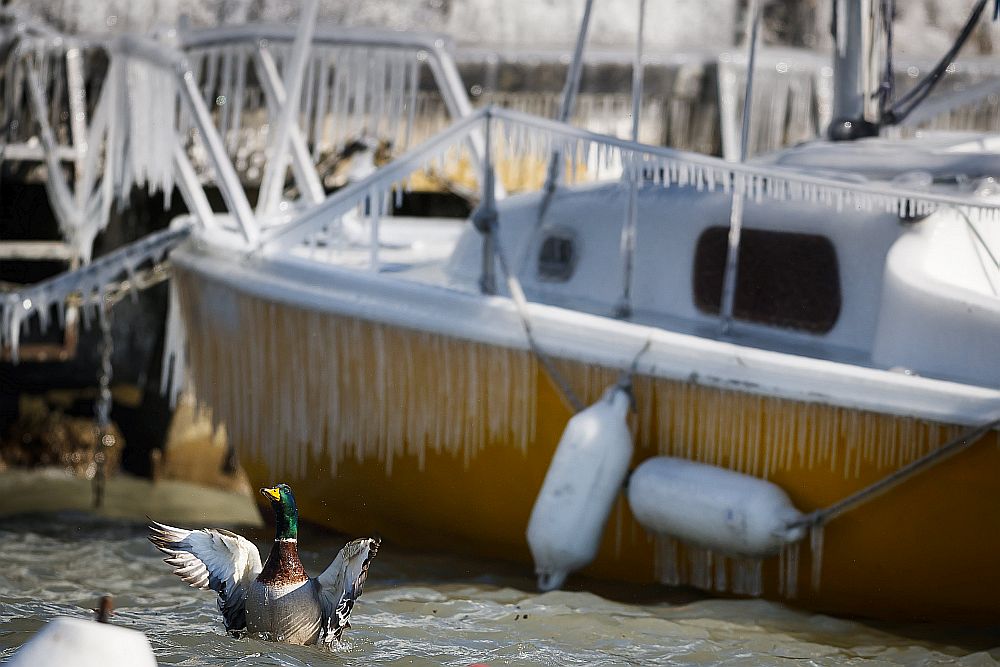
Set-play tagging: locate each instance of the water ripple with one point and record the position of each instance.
(418, 611)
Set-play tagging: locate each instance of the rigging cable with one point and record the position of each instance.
(902, 107)
(823, 516)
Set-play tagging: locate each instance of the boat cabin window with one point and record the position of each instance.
(557, 256)
(785, 279)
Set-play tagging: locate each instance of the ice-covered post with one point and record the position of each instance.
(274, 177)
(485, 216)
(736, 211)
(274, 90)
(566, 107)
(624, 308)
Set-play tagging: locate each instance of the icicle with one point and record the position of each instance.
(378, 91)
(308, 96)
(235, 105)
(360, 74)
(212, 70)
(224, 99)
(414, 70)
(338, 100)
(322, 98)
(816, 551)
(789, 570)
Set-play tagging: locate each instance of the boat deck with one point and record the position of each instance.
(412, 248)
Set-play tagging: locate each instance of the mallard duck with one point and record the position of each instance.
(278, 601)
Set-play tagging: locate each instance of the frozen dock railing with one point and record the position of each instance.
(133, 266)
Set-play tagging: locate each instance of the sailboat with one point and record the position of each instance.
(820, 320)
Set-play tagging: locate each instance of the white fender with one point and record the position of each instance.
(712, 507)
(586, 473)
(84, 643)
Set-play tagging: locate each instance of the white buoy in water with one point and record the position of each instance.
(586, 473)
(715, 508)
(83, 643)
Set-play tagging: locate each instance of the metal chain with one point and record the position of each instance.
(111, 295)
(102, 407)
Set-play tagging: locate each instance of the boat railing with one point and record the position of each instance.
(178, 104)
(142, 119)
(518, 139)
(358, 84)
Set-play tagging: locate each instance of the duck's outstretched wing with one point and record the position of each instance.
(211, 558)
(340, 585)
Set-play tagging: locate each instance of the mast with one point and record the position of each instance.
(862, 35)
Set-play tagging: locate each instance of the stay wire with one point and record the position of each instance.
(823, 516)
(902, 107)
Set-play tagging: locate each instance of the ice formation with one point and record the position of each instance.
(361, 390)
(88, 285)
(522, 140)
(349, 92)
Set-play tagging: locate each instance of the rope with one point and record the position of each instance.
(486, 219)
(521, 304)
(821, 517)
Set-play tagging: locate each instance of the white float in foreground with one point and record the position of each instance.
(83, 643)
(583, 480)
(722, 510)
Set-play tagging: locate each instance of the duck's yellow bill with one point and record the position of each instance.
(274, 494)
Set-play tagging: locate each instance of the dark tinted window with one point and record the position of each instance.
(785, 279)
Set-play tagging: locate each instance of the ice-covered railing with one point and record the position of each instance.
(132, 137)
(358, 83)
(151, 124)
(88, 287)
(590, 156)
(132, 140)
(373, 197)
(45, 110)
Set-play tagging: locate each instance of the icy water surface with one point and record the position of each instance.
(435, 610)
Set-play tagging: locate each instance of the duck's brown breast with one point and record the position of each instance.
(283, 566)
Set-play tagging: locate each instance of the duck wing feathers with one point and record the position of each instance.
(214, 559)
(340, 585)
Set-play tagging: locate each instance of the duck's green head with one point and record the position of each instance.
(286, 514)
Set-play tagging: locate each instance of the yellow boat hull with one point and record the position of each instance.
(442, 443)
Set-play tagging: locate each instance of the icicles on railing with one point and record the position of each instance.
(88, 286)
(148, 109)
(349, 93)
(174, 373)
(586, 156)
(785, 103)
